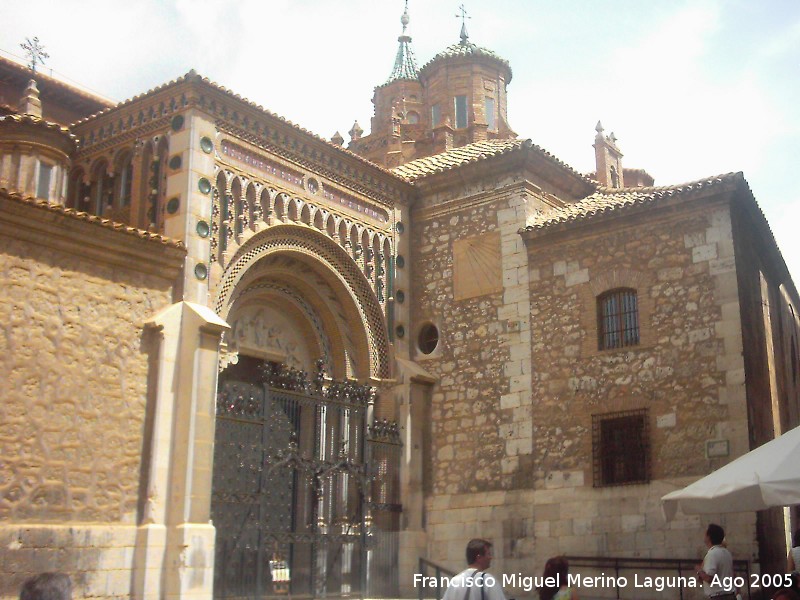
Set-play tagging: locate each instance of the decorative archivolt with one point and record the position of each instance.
(248, 326)
(106, 131)
(295, 286)
(342, 274)
(241, 208)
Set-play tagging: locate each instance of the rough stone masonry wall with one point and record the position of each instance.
(481, 408)
(468, 362)
(71, 414)
(687, 371)
(681, 370)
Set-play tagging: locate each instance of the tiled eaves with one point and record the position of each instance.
(457, 157)
(608, 202)
(389, 82)
(83, 216)
(193, 76)
(476, 152)
(25, 119)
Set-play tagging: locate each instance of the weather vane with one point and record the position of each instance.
(35, 51)
(463, 16)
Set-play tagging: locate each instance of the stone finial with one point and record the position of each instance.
(608, 159)
(599, 129)
(30, 103)
(355, 132)
(337, 139)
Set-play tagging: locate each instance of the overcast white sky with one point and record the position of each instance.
(690, 88)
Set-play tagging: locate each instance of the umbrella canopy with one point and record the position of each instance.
(766, 477)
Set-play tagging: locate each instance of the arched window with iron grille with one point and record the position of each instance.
(617, 319)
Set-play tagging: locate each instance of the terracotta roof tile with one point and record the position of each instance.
(614, 200)
(468, 49)
(471, 153)
(82, 216)
(33, 120)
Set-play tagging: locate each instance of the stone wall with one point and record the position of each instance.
(686, 370)
(72, 414)
(529, 526)
(481, 405)
(512, 451)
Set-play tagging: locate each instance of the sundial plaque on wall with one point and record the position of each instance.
(476, 266)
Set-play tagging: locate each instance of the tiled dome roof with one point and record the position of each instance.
(466, 50)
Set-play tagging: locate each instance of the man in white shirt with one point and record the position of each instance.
(716, 572)
(474, 583)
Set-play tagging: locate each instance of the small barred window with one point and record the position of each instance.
(617, 319)
(620, 446)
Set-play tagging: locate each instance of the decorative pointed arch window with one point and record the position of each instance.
(125, 180)
(102, 189)
(617, 319)
(78, 193)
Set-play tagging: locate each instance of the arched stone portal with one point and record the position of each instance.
(292, 295)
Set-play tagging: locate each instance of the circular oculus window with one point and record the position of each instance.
(428, 338)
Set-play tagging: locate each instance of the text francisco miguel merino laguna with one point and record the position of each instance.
(529, 583)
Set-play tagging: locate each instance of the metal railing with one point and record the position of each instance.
(685, 567)
(425, 568)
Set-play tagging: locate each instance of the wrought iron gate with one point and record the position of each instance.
(384, 450)
(293, 477)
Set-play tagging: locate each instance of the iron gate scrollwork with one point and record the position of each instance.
(295, 466)
(384, 448)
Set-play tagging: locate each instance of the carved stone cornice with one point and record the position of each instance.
(240, 117)
(357, 209)
(121, 139)
(475, 200)
(330, 167)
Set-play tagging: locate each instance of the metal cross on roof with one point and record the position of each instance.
(463, 16)
(35, 51)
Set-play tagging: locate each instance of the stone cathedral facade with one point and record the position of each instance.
(440, 332)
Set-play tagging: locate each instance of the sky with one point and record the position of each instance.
(691, 89)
